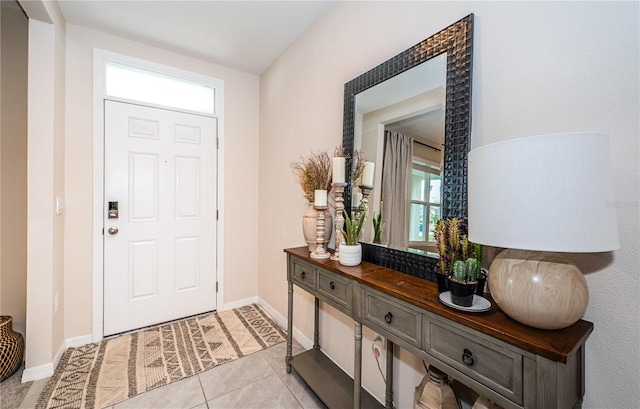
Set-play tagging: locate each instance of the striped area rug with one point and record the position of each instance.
(102, 374)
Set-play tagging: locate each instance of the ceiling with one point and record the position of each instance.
(244, 35)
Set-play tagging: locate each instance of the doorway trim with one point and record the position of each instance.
(100, 59)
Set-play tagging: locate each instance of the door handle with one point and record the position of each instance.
(113, 230)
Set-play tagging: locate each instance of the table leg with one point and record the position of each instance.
(388, 403)
(316, 325)
(357, 370)
(289, 356)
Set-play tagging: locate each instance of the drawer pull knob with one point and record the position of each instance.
(303, 275)
(388, 318)
(467, 357)
(332, 285)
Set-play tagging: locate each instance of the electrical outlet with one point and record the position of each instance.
(377, 347)
(56, 303)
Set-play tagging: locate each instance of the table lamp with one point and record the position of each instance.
(539, 197)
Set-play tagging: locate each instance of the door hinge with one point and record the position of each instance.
(216, 286)
(217, 143)
(217, 214)
(103, 231)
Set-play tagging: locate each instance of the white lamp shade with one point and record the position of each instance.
(544, 193)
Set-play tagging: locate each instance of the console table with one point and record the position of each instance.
(514, 365)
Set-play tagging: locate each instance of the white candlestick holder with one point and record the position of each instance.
(366, 191)
(338, 190)
(364, 206)
(320, 252)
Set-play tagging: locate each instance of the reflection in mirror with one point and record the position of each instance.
(436, 185)
(399, 125)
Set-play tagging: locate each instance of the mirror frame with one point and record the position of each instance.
(457, 41)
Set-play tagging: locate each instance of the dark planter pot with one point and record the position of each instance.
(462, 294)
(480, 286)
(443, 282)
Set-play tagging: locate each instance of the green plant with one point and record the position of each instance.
(352, 227)
(465, 271)
(454, 246)
(378, 226)
(477, 249)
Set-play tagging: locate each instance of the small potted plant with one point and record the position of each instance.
(378, 226)
(463, 282)
(350, 252)
(480, 272)
(454, 246)
(449, 239)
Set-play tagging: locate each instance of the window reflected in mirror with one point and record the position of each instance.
(424, 207)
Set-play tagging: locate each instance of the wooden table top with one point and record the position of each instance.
(555, 345)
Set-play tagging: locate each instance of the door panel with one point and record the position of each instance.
(160, 166)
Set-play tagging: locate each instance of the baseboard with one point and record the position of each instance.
(43, 371)
(282, 321)
(37, 372)
(239, 303)
(56, 358)
(78, 341)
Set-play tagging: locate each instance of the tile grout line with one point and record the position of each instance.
(204, 395)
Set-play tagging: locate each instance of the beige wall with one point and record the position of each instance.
(13, 162)
(239, 168)
(45, 229)
(539, 67)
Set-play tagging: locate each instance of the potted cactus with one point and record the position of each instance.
(481, 276)
(453, 246)
(463, 282)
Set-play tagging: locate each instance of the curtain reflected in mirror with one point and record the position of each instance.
(396, 174)
(411, 192)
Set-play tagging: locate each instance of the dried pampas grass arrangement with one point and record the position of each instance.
(313, 172)
(358, 165)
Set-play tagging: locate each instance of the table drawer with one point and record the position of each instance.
(335, 288)
(494, 366)
(304, 274)
(392, 316)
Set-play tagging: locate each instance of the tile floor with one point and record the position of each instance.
(256, 381)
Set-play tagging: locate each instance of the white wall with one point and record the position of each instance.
(539, 67)
(239, 167)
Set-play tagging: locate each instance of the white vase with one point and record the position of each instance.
(350, 255)
(309, 223)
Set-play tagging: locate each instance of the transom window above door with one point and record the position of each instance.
(151, 87)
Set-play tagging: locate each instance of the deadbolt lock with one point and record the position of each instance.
(112, 211)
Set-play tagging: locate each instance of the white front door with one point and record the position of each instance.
(160, 251)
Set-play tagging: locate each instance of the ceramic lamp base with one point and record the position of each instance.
(538, 289)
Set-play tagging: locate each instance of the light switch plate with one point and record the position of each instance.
(59, 205)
